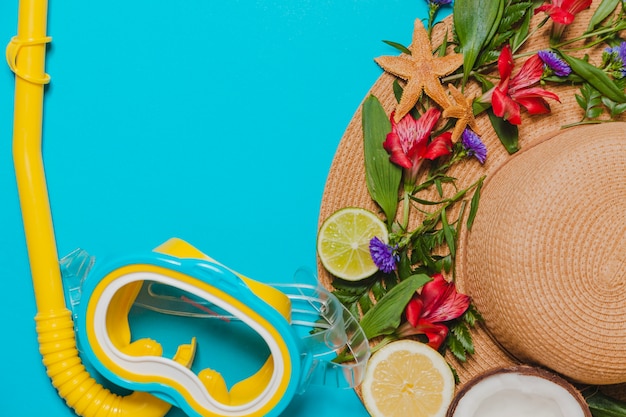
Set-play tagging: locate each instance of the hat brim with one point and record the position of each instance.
(346, 185)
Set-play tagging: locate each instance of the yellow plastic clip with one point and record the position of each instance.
(12, 52)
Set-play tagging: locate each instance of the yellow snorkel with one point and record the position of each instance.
(26, 57)
(303, 327)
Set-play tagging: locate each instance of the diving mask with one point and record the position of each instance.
(300, 328)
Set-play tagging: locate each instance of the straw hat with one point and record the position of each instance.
(545, 262)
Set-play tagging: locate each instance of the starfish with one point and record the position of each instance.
(421, 70)
(462, 111)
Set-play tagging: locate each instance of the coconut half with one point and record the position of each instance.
(520, 391)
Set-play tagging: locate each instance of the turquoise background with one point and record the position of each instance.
(212, 121)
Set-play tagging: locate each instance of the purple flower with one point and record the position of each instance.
(618, 56)
(556, 64)
(439, 2)
(621, 52)
(474, 145)
(383, 255)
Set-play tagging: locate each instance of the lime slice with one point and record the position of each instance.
(407, 378)
(343, 242)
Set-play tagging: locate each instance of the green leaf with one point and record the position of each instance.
(425, 202)
(602, 12)
(513, 14)
(390, 281)
(517, 40)
(474, 30)
(457, 380)
(377, 290)
(594, 112)
(485, 85)
(456, 348)
(386, 315)
(448, 233)
(462, 333)
(354, 310)
(365, 303)
(487, 57)
(513, 29)
(447, 262)
(507, 132)
(439, 187)
(590, 100)
(596, 77)
(346, 297)
(399, 47)
(570, 79)
(601, 405)
(474, 205)
(614, 108)
(397, 90)
(382, 176)
(472, 316)
(441, 50)
(404, 266)
(479, 107)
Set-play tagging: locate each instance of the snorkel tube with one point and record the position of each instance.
(57, 340)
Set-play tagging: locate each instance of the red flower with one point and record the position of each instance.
(562, 13)
(408, 145)
(438, 302)
(512, 92)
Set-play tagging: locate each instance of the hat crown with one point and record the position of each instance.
(545, 262)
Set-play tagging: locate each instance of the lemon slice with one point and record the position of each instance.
(343, 242)
(407, 378)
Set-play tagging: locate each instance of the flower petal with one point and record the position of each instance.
(426, 123)
(576, 6)
(532, 99)
(557, 14)
(441, 300)
(534, 92)
(505, 62)
(394, 148)
(535, 105)
(556, 64)
(504, 107)
(413, 310)
(431, 293)
(406, 129)
(423, 128)
(440, 146)
(452, 307)
(529, 74)
(436, 333)
(564, 11)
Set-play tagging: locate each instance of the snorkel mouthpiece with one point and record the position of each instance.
(302, 328)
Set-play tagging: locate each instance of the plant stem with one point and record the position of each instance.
(406, 206)
(531, 33)
(432, 11)
(346, 356)
(385, 341)
(427, 221)
(609, 30)
(586, 122)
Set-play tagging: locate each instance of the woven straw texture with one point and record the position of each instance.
(545, 260)
(563, 216)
